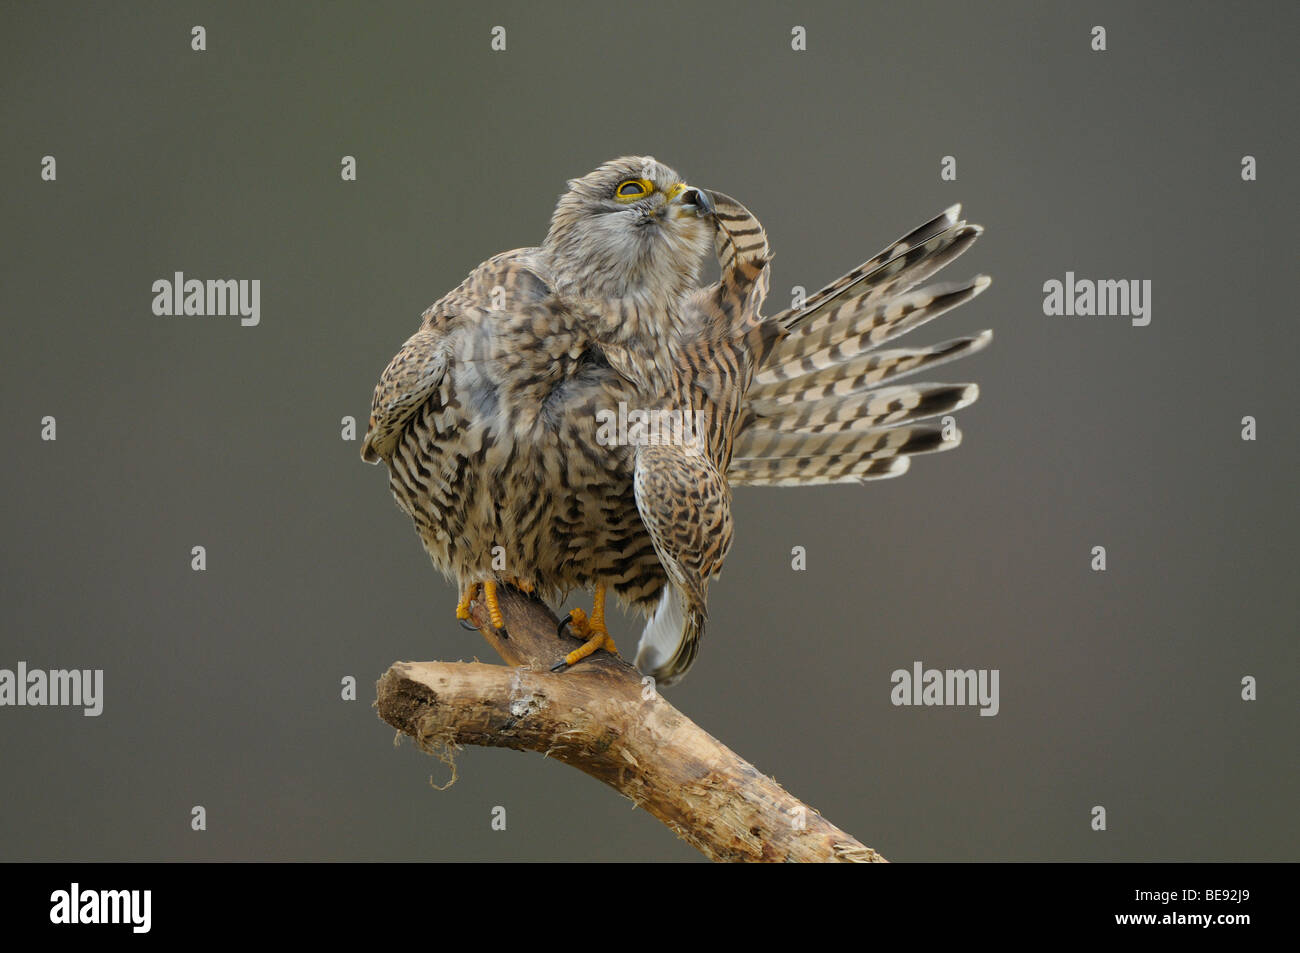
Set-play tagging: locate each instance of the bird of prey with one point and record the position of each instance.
(494, 417)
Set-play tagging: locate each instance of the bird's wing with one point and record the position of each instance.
(685, 504)
(510, 281)
(823, 406)
(410, 378)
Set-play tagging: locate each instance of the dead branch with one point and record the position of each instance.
(603, 718)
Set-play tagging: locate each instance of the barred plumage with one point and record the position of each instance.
(490, 417)
(823, 408)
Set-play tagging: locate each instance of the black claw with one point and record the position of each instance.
(559, 666)
(559, 629)
(471, 627)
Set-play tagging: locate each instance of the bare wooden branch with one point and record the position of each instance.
(603, 718)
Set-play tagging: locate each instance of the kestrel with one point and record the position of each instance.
(495, 417)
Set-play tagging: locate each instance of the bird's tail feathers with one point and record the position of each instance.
(904, 264)
(671, 639)
(824, 405)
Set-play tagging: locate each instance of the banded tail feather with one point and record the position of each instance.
(882, 409)
(786, 383)
(815, 471)
(901, 266)
(743, 252)
(825, 405)
(859, 324)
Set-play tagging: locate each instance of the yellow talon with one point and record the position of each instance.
(462, 607)
(493, 607)
(593, 630)
(520, 584)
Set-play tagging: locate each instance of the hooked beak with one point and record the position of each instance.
(688, 200)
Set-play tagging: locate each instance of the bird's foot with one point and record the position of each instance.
(466, 597)
(592, 629)
(489, 598)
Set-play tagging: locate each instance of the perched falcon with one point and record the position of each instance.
(494, 417)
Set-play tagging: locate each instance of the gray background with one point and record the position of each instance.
(1119, 689)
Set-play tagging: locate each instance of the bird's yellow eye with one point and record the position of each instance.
(632, 189)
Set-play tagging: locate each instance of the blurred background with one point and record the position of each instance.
(222, 688)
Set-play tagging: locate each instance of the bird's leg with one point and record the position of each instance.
(493, 607)
(466, 597)
(489, 597)
(593, 630)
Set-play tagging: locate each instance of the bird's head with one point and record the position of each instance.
(631, 227)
